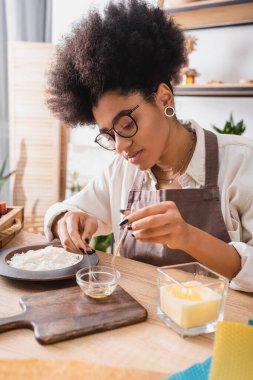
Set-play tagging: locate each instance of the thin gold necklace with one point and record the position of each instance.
(183, 162)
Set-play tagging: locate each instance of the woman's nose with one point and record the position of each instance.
(122, 143)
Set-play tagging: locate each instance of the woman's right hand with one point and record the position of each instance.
(75, 229)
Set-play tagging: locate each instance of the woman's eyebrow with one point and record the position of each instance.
(120, 113)
(104, 130)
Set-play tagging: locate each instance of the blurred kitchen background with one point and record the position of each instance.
(51, 162)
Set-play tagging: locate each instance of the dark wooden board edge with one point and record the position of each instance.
(84, 332)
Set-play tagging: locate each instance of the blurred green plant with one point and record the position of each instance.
(102, 243)
(4, 177)
(75, 185)
(231, 128)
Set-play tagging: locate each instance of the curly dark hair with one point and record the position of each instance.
(132, 48)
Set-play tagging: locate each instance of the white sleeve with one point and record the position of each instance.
(93, 199)
(244, 279)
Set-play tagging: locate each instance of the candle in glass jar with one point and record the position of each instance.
(190, 304)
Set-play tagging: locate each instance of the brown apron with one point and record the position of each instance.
(198, 207)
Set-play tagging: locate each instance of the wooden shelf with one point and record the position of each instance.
(217, 90)
(211, 14)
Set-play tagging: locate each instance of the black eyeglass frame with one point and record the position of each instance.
(126, 113)
(123, 113)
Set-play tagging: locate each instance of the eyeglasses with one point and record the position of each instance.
(124, 125)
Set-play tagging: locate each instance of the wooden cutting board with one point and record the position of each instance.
(58, 315)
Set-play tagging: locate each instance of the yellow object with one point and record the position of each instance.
(190, 304)
(233, 352)
(190, 79)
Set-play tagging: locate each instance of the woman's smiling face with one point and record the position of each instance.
(149, 144)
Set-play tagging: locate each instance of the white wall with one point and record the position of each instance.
(210, 110)
(224, 54)
(67, 12)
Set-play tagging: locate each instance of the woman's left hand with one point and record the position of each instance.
(160, 223)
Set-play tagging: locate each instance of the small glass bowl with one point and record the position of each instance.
(98, 281)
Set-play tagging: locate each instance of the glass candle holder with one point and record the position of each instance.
(191, 298)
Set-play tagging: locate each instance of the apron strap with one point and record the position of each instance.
(212, 158)
(138, 181)
(135, 191)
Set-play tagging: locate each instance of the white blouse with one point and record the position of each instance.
(107, 194)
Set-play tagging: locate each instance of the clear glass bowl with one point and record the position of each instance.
(98, 281)
(191, 298)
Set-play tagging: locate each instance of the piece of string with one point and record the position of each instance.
(117, 250)
(90, 273)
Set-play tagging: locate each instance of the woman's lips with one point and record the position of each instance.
(134, 157)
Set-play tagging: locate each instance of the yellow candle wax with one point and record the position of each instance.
(190, 305)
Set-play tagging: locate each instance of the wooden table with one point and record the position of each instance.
(150, 345)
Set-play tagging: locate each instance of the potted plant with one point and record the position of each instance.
(11, 218)
(231, 128)
(102, 243)
(3, 179)
(75, 185)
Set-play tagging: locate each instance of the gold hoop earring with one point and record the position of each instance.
(169, 111)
